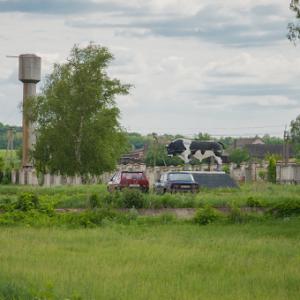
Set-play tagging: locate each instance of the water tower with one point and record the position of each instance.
(30, 75)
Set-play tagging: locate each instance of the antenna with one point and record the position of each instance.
(286, 137)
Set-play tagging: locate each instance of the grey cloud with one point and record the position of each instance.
(12, 79)
(59, 6)
(290, 91)
(227, 74)
(210, 24)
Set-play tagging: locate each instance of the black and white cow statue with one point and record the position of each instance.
(186, 149)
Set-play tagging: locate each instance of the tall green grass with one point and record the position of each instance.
(247, 195)
(251, 261)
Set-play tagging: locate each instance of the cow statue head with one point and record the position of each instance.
(180, 147)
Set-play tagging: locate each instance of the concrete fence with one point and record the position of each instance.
(244, 173)
(288, 173)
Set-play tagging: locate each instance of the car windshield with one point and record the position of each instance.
(132, 175)
(180, 177)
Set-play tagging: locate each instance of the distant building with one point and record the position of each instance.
(261, 151)
(135, 156)
(258, 149)
(242, 142)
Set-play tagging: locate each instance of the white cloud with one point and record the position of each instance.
(179, 77)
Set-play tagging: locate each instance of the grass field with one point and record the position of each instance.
(177, 261)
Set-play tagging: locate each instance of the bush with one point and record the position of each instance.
(272, 169)
(206, 215)
(132, 198)
(252, 202)
(286, 208)
(226, 169)
(6, 204)
(113, 200)
(262, 174)
(27, 201)
(6, 177)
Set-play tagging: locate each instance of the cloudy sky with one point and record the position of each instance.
(223, 67)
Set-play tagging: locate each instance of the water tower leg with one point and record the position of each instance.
(29, 90)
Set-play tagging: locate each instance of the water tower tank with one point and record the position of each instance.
(29, 68)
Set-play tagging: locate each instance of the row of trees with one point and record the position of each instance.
(17, 132)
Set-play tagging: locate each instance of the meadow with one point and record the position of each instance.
(260, 194)
(171, 261)
(104, 253)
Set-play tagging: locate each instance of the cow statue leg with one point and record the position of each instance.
(219, 162)
(185, 156)
(207, 154)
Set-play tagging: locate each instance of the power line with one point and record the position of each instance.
(196, 130)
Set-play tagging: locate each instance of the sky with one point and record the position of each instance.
(222, 67)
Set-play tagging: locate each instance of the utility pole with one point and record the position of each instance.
(286, 154)
(155, 144)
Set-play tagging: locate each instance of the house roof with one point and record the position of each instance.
(134, 156)
(262, 150)
(242, 142)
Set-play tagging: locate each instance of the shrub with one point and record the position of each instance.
(286, 208)
(226, 169)
(6, 204)
(206, 215)
(262, 174)
(272, 169)
(27, 201)
(252, 202)
(132, 198)
(112, 200)
(6, 177)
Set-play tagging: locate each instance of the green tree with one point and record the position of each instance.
(294, 27)
(295, 130)
(227, 141)
(157, 154)
(238, 156)
(78, 131)
(203, 137)
(137, 140)
(272, 140)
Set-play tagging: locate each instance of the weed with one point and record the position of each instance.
(94, 201)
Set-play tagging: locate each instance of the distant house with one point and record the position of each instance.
(242, 142)
(260, 151)
(135, 156)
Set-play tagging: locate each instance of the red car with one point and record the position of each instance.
(128, 179)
